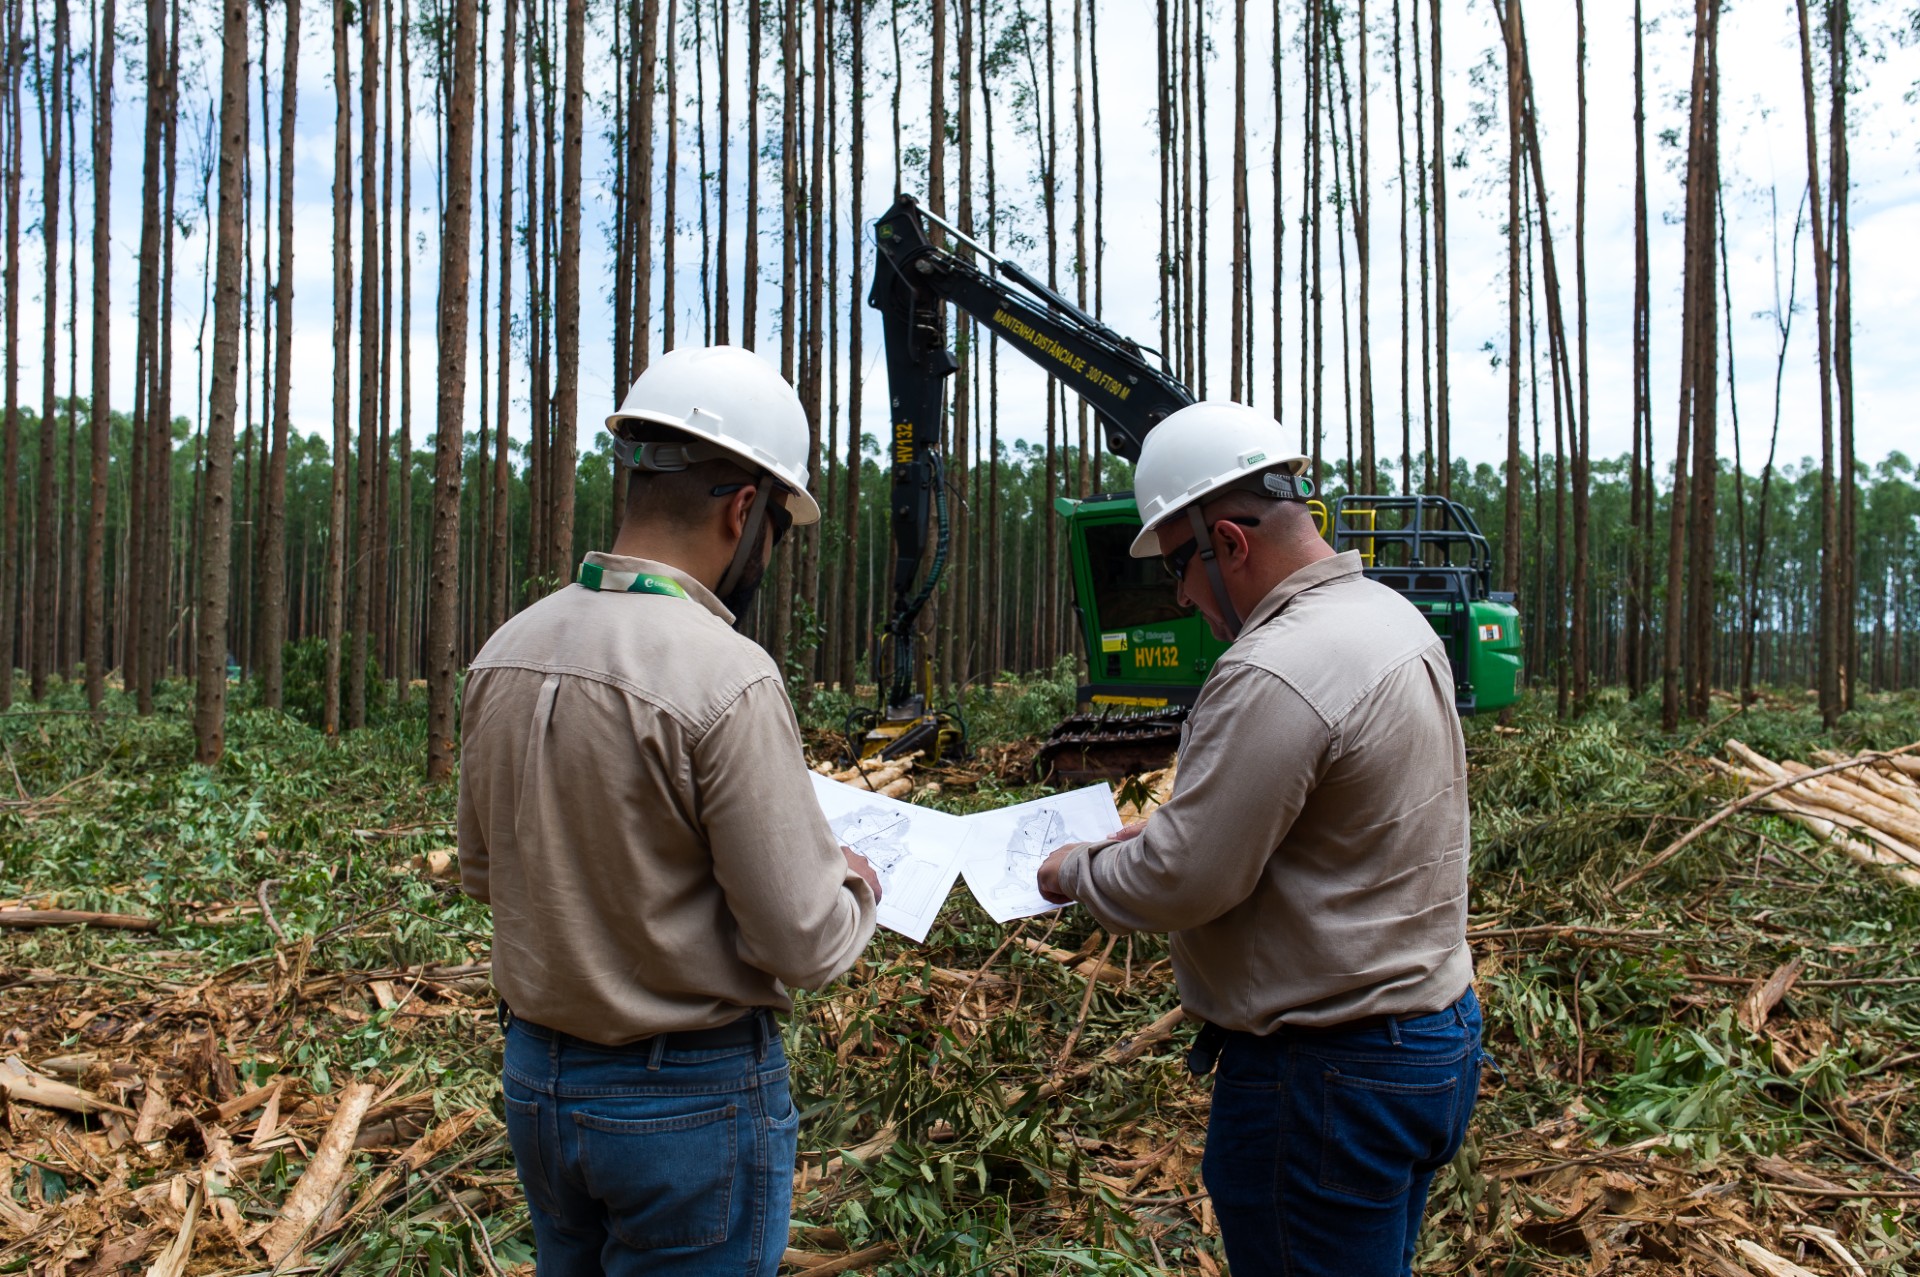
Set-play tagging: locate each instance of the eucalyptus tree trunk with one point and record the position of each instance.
(1424, 186)
(807, 549)
(1639, 609)
(148, 526)
(750, 266)
(1443, 430)
(337, 532)
(46, 539)
(1238, 293)
(1582, 423)
(1363, 250)
(1840, 252)
(273, 510)
(566, 390)
(1703, 315)
(405, 649)
(380, 608)
(99, 414)
(1829, 593)
(849, 590)
(362, 547)
(1510, 568)
(10, 467)
(1279, 227)
(723, 47)
(216, 511)
(455, 243)
(499, 556)
(1692, 329)
(1406, 299)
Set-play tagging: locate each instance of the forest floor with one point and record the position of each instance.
(296, 1023)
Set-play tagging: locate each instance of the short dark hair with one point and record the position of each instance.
(678, 498)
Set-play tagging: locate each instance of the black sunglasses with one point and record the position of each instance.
(1176, 563)
(781, 516)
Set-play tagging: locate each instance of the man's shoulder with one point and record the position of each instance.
(668, 651)
(1335, 643)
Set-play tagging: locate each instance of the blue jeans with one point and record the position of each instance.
(643, 1161)
(1322, 1143)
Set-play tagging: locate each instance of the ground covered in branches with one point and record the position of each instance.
(285, 1051)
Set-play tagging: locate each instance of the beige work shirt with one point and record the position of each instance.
(635, 806)
(1311, 863)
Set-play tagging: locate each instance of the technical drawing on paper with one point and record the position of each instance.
(915, 851)
(1006, 848)
(1038, 833)
(908, 882)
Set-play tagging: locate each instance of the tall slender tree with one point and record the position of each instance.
(1582, 425)
(1443, 430)
(273, 530)
(216, 512)
(368, 13)
(566, 390)
(46, 541)
(1510, 567)
(337, 532)
(405, 649)
(99, 423)
(10, 467)
(500, 561)
(455, 242)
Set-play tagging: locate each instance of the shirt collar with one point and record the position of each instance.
(697, 592)
(1319, 572)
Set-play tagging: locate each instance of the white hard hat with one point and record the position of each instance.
(1200, 450)
(736, 401)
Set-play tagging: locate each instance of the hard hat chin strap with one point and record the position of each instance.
(1203, 535)
(749, 536)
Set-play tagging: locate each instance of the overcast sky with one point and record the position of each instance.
(1763, 163)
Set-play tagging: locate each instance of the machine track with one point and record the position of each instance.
(1109, 745)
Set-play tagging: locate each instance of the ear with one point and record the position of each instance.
(1231, 542)
(736, 511)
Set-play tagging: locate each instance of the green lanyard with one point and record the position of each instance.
(595, 577)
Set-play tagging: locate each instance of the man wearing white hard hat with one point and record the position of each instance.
(634, 805)
(1310, 865)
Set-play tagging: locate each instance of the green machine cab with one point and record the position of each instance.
(1147, 656)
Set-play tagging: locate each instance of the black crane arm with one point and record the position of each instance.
(914, 282)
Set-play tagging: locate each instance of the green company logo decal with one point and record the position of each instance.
(1155, 636)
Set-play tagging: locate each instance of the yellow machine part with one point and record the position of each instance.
(932, 735)
(1360, 520)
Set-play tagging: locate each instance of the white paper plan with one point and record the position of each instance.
(915, 851)
(1004, 848)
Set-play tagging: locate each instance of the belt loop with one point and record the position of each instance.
(1393, 1029)
(762, 1033)
(655, 1050)
(504, 1014)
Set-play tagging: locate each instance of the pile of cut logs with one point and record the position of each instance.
(888, 777)
(1868, 807)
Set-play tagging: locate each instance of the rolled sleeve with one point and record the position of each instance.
(803, 915)
(1255, 750)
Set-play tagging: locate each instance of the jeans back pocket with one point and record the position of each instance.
(1375, 1133)
(665, 1181)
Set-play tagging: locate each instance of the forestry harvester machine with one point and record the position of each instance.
(1146, 655)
